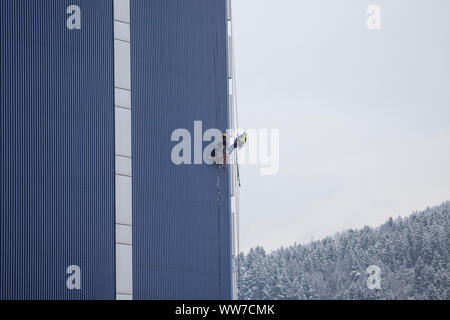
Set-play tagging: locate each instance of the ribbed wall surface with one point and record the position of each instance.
(181, 219)
(56, 150)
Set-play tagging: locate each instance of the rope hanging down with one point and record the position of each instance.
(235, 125)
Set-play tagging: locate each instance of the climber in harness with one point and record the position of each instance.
(223, 147)
(239, 142)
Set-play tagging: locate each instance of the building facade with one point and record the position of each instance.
(91, 205)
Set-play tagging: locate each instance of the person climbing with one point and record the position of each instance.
(224, 145)
(238, 143)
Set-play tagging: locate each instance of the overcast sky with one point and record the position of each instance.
(364, 115)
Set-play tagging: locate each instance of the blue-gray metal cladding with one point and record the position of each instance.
(57, 150)
(181, 231)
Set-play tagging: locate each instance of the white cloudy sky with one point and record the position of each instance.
(364, 116)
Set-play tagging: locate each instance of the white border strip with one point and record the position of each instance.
(122, 129)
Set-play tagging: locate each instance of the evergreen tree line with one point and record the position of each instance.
(412, 253)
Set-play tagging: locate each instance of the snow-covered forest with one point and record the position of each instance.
(413, 254)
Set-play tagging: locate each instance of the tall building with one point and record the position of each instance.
(91, 205)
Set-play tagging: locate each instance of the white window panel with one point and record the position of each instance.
(122, 10)
(124, 204)
(123, 132)
(123, 166)
(122, 98)
(123, 180)
(124, 297)
(121, 31)
(122, 74)
(124, 269)
(230, 58)
(124, 234)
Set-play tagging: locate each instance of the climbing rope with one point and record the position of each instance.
(235, 116)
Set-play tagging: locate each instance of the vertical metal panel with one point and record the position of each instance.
(56, 150)
(181, 219)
